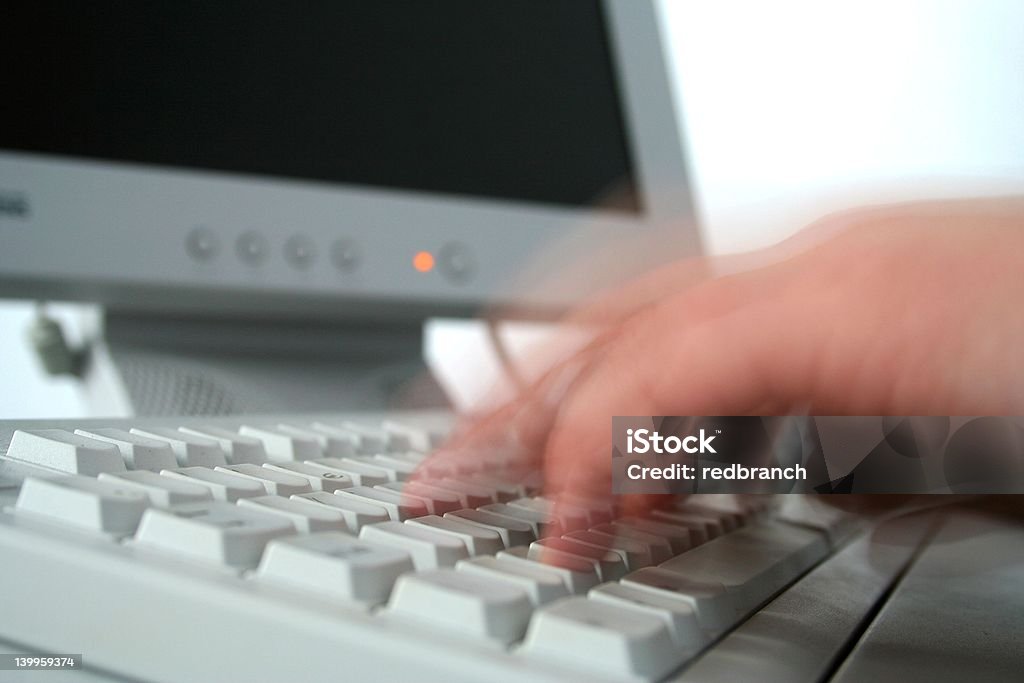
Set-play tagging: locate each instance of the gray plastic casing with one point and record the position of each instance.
(132, 237)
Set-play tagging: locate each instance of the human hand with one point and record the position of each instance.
(904, 310)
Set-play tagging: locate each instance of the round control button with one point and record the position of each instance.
(345, 255)
(299, 251)
(456, 262)
(201, 243)
(252, 248)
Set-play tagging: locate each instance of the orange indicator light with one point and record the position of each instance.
(423, 261)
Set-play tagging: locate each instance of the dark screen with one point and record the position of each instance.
(511, 99)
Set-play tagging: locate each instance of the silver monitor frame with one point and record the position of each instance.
(120, 234)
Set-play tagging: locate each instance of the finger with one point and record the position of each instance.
(515, 432)
(736, 346)
(528, 415)
(605, 313)
(521, 427)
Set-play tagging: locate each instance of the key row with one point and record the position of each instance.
(298, 490)
(79, 454)
(510, 532)
(643, 625)
(309, 500)
(497, 576)
(349, 486)
(95, 450)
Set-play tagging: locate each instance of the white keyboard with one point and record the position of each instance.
(296, 548)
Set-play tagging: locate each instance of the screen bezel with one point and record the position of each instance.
(83, 237)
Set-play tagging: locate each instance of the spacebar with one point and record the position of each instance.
(753, 563)
(798, 636)
(956, 615)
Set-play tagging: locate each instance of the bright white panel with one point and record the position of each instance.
(797, 107)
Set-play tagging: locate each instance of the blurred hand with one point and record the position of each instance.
(904, 310)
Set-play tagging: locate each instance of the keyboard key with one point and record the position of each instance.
(138, 452)
(477, 488)
(437, 501)
(396, 469)
(369, 439)
(238, 449)
(594, 512)
(361, 475)
(657, 546)
(601, 510)
(716, 608)
(608, 565)
(634, 554)
(541, 585)
(807, 511)
(223, 486)
(366, 464)
(319, 478)
(578, 575)
(513, 532)
(729, 520)
(61, 450)
(404, 468)
(212, 532)
(305, 518)
(161, 491)
(680, 537)
(342, 441)
(742, 510)
(400, 507)
(274, 482)
(470, 495)
(504, 490)
(610, 642)
(356, 514)
(708, 527)
(334, 565)
(331, 445)
(678, 614)
(470, 604)
(569, 518)
(754, 562)
(283, 446)
(366, 440)
(410, 456)
(419, 438)
(478, 541)
(376, 439)
(189, 450)
(432, 470)
(542, 525)
(533, 481)
(460, 464)
(83, 502)
(429, 549)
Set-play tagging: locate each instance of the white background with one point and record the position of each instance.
(791, 108)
